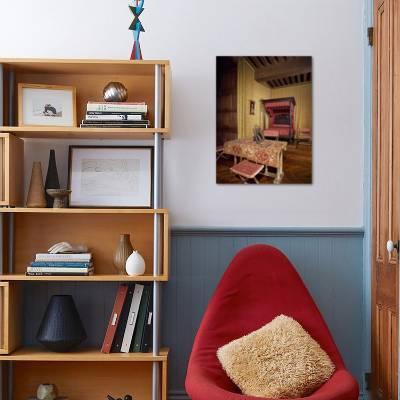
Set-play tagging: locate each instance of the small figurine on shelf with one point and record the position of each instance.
(47, 391)
(126, 397)
(59, 197)
(65, 247)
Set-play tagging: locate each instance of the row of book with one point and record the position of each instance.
(131, 323)
(62, 264)
(115, 115)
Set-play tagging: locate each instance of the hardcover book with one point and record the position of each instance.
(60, 273)
(68, 270)
(62, 264)
(81, 257)
(120, 121)
(114, 319)
(84, 125)
(114, 117)
(142, 319)
(137, 107)
(119, 335)
(147, 337)
(132, 318)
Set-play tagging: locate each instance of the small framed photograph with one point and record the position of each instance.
(111, 176)
(46, 105)
(252, 107)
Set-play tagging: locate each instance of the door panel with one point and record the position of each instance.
(385, 205)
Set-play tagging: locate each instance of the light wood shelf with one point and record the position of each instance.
(84, 133)
(84, 210)
(92, 278)
(90, 67)
(90, 354)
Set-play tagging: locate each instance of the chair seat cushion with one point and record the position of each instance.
(279, 360)
(247, 169)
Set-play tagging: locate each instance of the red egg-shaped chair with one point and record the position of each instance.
(259, 284)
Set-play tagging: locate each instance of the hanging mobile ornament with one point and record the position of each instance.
(136, 27)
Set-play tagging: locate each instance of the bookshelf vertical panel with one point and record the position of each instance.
(10, 317)
(167, 97)
(11, 170)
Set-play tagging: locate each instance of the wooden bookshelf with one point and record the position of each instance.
(27, 231)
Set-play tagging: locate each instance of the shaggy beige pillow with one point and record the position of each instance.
(279, 360)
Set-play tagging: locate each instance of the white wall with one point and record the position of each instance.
(191, 33)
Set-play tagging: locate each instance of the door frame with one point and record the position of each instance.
(367, 242)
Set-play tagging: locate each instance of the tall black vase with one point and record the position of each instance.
(61, 328)
(52, 181)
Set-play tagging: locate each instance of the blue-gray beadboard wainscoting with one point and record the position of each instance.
(329, 260)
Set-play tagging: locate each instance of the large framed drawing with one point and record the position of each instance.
(110, 176)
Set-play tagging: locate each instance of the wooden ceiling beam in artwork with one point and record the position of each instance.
(291, 67)
(251, 62)
(266, 61)
(261, 60)
(269, 60)
(256, 62)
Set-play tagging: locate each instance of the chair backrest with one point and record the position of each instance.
(259, 284)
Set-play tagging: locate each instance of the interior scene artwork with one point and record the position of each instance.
(264, 120)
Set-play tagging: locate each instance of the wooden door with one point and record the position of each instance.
(226, 99)
(386, 175)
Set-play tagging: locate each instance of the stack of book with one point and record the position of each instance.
(131, 323)
(115, 115)
(61, 264)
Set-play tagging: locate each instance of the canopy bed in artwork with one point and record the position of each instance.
(280, 113)
(268, 153)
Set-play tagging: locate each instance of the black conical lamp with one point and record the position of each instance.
(61, 328)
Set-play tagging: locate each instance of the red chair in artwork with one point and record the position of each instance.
(259, 285)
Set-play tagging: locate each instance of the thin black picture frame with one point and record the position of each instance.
(150, 148)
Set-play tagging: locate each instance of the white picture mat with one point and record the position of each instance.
(111, 177)
(31, 97)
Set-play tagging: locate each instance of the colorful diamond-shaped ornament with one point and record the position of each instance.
(136, 27)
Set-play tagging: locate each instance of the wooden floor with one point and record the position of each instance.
(297, 167)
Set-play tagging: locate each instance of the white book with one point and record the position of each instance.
(113, 117)
(132, 318)
(77, 257)
(117, 107)
(71, 270)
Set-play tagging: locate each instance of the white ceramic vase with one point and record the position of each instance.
(135, 264)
